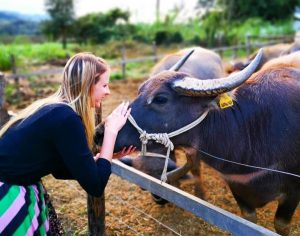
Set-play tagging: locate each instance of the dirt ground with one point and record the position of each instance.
(131, 211)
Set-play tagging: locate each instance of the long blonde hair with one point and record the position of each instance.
(81, 72)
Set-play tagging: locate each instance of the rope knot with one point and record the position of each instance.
(163, 138)
(144, 137)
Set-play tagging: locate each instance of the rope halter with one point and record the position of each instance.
(163, 138)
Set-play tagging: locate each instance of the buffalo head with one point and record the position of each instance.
(170, 100)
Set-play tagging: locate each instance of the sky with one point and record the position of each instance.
(141, 10)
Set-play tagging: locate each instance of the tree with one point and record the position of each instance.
(62, 18)
(102, 27)
(213, 25)
(267, 10)
(212, 20)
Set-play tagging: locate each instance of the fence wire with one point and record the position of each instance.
(119, 219)
(146, 214)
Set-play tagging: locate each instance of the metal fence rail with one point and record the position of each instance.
(208, 212)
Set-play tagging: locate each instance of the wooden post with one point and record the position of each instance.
(234, 53)
(96, 215)
(248, 44)
(14, 71)
(123, 62)
(68, 56)
(221, 53)
(3, 112)
(96, 206)
(154, 47)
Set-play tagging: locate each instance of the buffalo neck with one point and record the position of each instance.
(244, 133)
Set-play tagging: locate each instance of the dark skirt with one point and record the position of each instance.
(23, 210)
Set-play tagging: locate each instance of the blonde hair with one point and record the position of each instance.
(81, 72)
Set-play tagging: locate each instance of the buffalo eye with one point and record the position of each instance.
(160, 100)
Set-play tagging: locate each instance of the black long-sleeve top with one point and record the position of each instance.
(51, 141)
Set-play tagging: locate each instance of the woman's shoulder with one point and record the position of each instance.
(60, 107)
(50, 116)
(58, 111)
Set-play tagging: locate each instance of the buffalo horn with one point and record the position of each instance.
(181, 62)
(190, 86)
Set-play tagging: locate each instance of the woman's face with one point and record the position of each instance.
(100, 90)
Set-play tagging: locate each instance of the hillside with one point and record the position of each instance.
(13, 23)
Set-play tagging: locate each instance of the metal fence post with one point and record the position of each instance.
(96, 206)
(3, 112)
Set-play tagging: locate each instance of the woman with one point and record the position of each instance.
(55, 136)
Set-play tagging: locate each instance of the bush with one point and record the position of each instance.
(165, 37)
(161, 37)
(175, 38)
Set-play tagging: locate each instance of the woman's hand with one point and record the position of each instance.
(97, 156)
(124, 152)
(117, 119)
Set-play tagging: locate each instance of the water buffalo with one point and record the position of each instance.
(270, 52)
(260, 129)
(212, 68)
(290, 60)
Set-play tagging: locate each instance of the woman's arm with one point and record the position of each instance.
(70, 142)
(113, 123)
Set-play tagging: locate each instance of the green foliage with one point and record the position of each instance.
(213, 25)
(166, 37)
(9, 90)
(10, 93)
(164, 34)
(257, 27)
(116, 75)
(267, 10)
(161, 37)
(5, 61)
(102, 27)
(231, 20)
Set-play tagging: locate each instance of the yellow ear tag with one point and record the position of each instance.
(225, 101)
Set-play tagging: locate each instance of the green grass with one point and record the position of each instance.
(31, 54)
